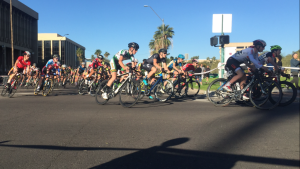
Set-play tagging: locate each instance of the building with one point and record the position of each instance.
(53, 43)
(25, 30)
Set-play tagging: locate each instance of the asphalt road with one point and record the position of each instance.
(67, 130)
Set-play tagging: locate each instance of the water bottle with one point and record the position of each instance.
(237, 86)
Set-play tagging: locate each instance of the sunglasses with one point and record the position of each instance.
(165, 53)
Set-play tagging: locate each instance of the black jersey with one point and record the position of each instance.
(155, 56)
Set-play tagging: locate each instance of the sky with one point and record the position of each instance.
(111, 25)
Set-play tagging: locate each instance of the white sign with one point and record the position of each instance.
(186, 56)
(217, 23)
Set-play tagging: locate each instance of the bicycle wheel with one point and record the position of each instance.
(47, 87)
(260, 93)
(130, 93)
(82, 87)
(289, 93)
(216, 94)
(99, 91)
(164, 91)
(35, 88)
(179, 89)
(144, 89)
(13, 89)
(4, 91)
(193, 88)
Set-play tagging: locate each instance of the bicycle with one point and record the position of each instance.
(47, 87)
(129, 89)
(88, 85)
(260, 90)
(186, 87)
(13, 87)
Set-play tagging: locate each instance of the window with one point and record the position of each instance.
(47, 50)
(63, 56)
(40, 51)
(55, 47)
(240, 47)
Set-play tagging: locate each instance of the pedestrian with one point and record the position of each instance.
(207, 74)
(198, 77)
(295, 63)
(203, 71)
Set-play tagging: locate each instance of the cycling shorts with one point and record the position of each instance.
(233, 64)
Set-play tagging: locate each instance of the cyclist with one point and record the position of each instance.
(81, 70)
(270, 57)
(22, 63)
(244, 56)
(190, 67)
(172, 66)
(49, 68)
(64, 73)
(116, 64)
(32, 72)
(151, 64)
(94, 65)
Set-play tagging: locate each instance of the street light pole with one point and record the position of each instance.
(163, 25)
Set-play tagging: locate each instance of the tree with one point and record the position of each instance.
(106, 54)
(92, 57)
(164, 35)
(79, 53)
(171, 58)
(195, 57)
(98, 52)
(214, 59)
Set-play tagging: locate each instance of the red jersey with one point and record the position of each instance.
(95, 64)
(188, 67)
(22, 64)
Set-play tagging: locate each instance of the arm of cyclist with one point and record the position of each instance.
(122, 65)
(256, 63)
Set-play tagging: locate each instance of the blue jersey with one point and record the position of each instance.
(174, 63)
(50, 63)
(82, 69)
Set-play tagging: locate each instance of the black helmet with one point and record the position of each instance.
(163, 50)
(106, 63)
(134, 45)
(100, 57)
(144, 60)
(259, 42)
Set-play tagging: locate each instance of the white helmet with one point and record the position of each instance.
(136, 60)
(64, 65)
(83, 63)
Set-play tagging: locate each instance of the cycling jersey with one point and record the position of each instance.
(95, 64)
(81, 69)
(247, 55)
(173, 63)
(188, 68)
(22, 64)
(125, 54)
(155, 56)
(263, 59)
(50, 64)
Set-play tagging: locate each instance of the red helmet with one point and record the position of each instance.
(195, 60)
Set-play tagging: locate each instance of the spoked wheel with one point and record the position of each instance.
(164, 91)
(179, 89)
(289, 94)
(4, 91)
(47, 87)
(260, 94)
(13, 89)
(82, 87)
(99, 91)
(35, 89)
(130, 93)
(216, 94)
(193, 88)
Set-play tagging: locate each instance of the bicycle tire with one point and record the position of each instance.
(13, 89)
(47, 88)
(132, 90)
(178, 91)
(98, 94)
(164, 92)
(82, 87)
(285, 102)
(268, 86)
(193, 87)
(4, 91)
(220, 93)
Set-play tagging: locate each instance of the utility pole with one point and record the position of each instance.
(12, 35)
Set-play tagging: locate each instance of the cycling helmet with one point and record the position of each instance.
(275, 47)
(64, 65)
(83, 63)
(195, 60)
(106, 63)
(181, 56)
(55, 56)
(100, 57)
(34, 64)
(144, 60)
(134, 45)
(163, 50)
(136, 60)
(27, 53)
(259, 42)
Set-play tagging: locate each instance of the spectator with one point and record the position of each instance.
(207, 74)
(295, 63)
(203, 70)
(198, 77)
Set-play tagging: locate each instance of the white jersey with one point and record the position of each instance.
(247, 55)
(125, 54)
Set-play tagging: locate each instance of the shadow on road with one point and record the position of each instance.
(163, 156)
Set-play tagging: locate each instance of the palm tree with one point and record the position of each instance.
(164, 35)
(106, 54)
(98, 52)
(92, 57)
(79, 53)
(214, 59)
